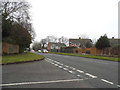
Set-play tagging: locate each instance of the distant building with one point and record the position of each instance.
(114, 41)
(55, 47)
(80, 43)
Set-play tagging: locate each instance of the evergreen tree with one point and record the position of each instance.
(102, 42)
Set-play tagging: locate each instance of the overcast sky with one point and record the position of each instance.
(71, 18)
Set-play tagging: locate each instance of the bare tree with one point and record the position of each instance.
(51, 39)
(16, 12)
(83, 36)
(63, 40)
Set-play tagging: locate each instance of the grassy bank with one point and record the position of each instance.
(88, 56)
(21, 58)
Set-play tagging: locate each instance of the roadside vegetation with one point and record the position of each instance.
(88, 56)
(24, 57)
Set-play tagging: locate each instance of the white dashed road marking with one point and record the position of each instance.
(107, 81)
(65, 68)
(56, 64)
(118, 85)
(60, 66)
(90, 75)
(72, 72)
(80, 71)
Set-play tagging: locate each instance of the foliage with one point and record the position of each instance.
(102, 42)
(16, 25)
(21, 36)
(88, 56)
(36, 46)
(88, 44)
(116, 47)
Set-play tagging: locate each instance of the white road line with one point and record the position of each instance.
(107, 81)
(73, 68)
(80, 71)
(52, 63)
(42, 82)
(71, 72)
(60, 66)
(118, 85)
(78, 75)
(90, 75)
(65, 68)
(56, 64)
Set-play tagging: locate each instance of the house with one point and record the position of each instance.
(80, 43)
(114, 41)
(55, 47)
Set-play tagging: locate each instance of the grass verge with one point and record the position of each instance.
(18, 58)
(88, 56)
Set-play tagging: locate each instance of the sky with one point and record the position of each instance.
(72, 18)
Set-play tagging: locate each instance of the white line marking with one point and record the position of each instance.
(78, 75)
(42, 82)
(118, 85)
(71, 72)
(80, 71)
(73, 68)
(107, 81)
(52, 63)
(56, 64)
(90, 75)
(60, 66)
(65, 68)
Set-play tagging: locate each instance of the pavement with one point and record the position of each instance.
(60, 71)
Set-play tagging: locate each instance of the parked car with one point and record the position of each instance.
(39, 51)
(45, 51)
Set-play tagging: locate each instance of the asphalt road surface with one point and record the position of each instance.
(60, 71)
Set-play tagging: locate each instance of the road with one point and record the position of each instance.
(60, 71)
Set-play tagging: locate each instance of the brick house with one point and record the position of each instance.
(114, 41)
(80, 43)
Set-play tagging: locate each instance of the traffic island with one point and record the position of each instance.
(21, 58)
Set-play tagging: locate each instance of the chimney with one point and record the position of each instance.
(112, 37)
(79, 37)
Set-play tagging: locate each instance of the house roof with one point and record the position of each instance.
(80, 40)
(114, 41)
(58, 44)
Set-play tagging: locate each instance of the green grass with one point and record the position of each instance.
(88, 56)
(21, 58)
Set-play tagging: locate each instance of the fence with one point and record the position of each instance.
(9, 48)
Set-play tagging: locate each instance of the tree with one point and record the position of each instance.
(88, 44)
(21, 36)
(63, 40)
(36, 46)
(83, 36)
(102, 42)
(16, 25)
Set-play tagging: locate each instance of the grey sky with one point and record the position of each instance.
(71, 18)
